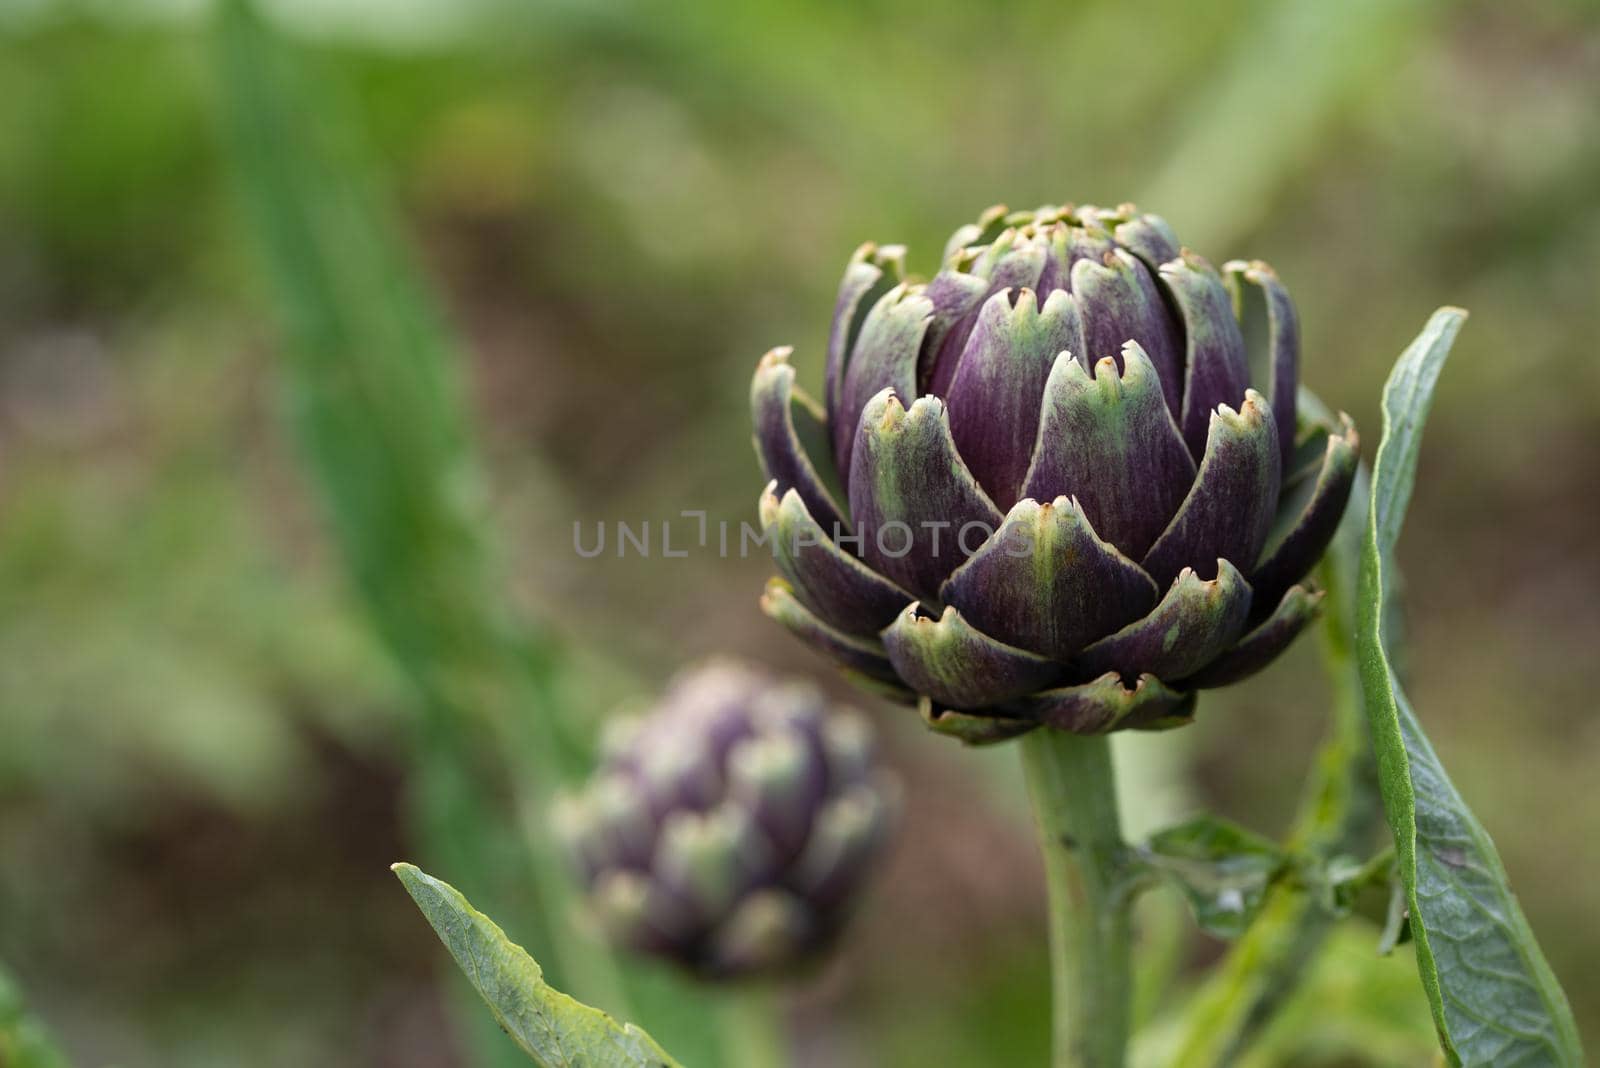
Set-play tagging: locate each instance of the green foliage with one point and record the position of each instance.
(370, 371)
(1350, 1007)
(374, 396)
(552, 1028)
(1246, 134)
(167, 674)
(174, 626)
(1264, 970)
(375, 400)
(1346, 1006)
(1494, 999)
(1222, 869)
(23, 1042)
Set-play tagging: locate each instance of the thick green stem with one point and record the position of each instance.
(1073, 789)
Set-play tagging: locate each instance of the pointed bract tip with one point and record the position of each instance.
(774, 358)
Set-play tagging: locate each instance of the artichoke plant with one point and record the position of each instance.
(1067, 481)
(730, 828)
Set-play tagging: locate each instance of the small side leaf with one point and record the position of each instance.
(552, 1028)
(1494, 999)
(1346, 886)
(1221, 868)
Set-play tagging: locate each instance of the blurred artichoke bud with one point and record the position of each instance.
(1066, 482)
(729, 828)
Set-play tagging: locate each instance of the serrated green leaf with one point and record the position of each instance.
(1494, 999)
(1222, 869)
(557, 1031)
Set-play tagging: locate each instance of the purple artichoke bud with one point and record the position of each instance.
(1065, 482)
(730, 828)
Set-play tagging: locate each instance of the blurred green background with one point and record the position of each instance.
(203, 740)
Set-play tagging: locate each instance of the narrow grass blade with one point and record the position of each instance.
(372, 374)
(1256, 120)
(375, 401)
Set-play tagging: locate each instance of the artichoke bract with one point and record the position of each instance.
(729, 829)
(1065, 482)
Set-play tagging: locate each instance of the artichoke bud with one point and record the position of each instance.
(1068, 481)
(730, 828)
